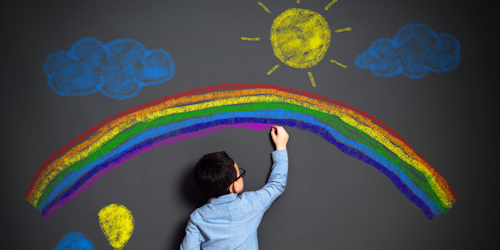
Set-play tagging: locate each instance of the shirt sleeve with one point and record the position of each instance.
(277, 180)
(192, 240)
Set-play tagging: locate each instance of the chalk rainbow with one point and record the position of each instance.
(81, 162)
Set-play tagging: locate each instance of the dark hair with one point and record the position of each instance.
(214, 173)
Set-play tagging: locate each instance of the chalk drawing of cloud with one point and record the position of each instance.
(415, 50)
(118, 69)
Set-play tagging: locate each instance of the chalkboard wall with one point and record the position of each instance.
(332, 200)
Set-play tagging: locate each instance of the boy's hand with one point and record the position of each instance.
(280, 137)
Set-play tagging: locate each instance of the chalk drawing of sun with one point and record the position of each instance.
(300, 38)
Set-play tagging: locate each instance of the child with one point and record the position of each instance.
(230, 218)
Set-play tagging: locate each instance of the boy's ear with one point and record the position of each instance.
(233, 187)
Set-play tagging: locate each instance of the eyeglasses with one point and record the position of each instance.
(241, 175)
(243, 172)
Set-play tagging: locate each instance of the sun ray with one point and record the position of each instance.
(264, 7)
(330, 4)
(312, 79)
(344, 29)
(273, 69)
(340, 64)
(250, 38)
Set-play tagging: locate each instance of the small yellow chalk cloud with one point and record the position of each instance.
(117, 224)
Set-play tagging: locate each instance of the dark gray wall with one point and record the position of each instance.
(332, 201)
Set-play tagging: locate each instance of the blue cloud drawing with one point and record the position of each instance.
(118, 69)
(415, 50)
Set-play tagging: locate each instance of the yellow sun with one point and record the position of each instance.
(300, 38)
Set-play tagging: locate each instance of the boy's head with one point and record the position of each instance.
(215, 173)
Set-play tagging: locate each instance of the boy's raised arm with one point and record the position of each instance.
(279, 173)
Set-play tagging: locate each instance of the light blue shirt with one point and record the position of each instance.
(231, 221)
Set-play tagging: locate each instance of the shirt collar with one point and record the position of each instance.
(223, 199)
